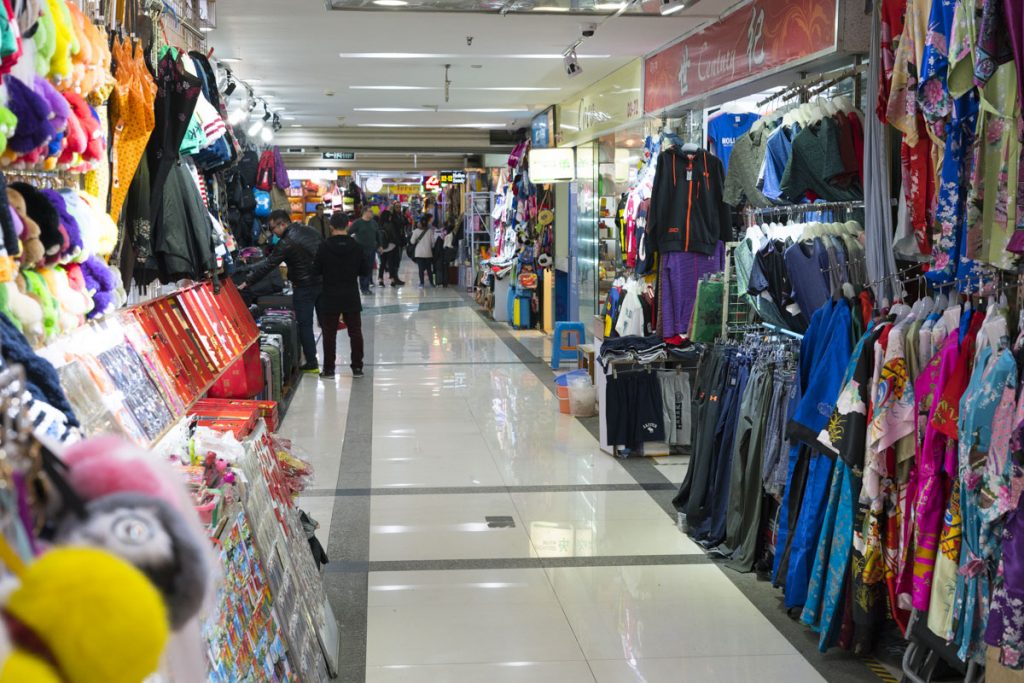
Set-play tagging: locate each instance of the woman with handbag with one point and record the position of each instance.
(421, 248)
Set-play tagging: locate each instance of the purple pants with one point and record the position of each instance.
(677, 284)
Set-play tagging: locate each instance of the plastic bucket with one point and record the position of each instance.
(582, 398)
(562, 383)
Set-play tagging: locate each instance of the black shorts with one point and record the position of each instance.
(635, 409)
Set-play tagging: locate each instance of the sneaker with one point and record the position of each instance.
(398, 283)
(311, 369)
(357, 372)
(420, 286)
(367, 292)
(326, 375)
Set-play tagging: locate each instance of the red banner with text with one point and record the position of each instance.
(755, 39)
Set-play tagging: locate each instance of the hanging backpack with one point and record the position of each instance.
(263, 203)
(265, 172)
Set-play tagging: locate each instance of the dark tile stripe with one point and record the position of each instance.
(349, 540)
(457, 490)
(836, 666)
(515, 563)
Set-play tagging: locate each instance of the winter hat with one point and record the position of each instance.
(102, 282)
(68, 222)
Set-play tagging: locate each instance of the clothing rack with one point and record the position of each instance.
(801, 208)
(678, 364)
(824, 81)
(766, 328)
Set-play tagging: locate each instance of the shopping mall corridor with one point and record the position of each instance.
(476, 534)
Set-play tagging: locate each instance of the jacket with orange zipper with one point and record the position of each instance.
(687, 211)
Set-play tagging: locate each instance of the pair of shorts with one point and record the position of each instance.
(635, 412)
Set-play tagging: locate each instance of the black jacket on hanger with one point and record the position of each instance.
(687, 211)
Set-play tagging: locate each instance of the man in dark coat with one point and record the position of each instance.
(297, 246)
(341, 262)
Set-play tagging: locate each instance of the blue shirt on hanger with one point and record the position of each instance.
(777, 155)
(724, 130)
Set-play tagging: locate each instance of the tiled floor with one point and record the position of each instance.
(503, 544)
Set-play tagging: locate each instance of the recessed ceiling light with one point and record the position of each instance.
(609, 6)
(550, 8)
(230, 60)
(390, 3)
(206, 29)
(288, 118)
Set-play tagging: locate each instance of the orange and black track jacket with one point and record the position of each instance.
(687, 210)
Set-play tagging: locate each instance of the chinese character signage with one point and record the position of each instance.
(759, 38)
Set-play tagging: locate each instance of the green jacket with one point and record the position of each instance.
(366, 233)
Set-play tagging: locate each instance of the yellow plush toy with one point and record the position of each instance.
(82, 616)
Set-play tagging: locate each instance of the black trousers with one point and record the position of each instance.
(330, 315)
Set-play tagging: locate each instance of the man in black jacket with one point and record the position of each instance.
(297, 246)
(341, 262)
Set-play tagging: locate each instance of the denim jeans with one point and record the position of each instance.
(304, 299)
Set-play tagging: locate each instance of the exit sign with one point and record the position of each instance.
(339, 156)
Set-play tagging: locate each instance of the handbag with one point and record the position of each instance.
(263, 204)
(410, 249)
(279, 199)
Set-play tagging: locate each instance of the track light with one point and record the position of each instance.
(266, 113)
(255, 128)
(229, 88)
(572, 64)
(267, 135)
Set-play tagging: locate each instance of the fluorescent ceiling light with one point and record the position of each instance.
(431, 110)
(296, 125)
(497, 88)
(392, 87)
(229, 60)
(428, 55)
(486, 126)
(609, 6)
(567, 126)
(391, 109)
(288, 118)
(385, 125)
(550, 8)
(206, 29)
(390, 3)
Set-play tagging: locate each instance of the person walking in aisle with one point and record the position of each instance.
(423, 251)
(297, 246)
(391, 254)
(320, 222)
(366, 232)
(341, 262)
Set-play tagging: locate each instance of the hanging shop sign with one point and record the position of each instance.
(542, 129)
(344, 173)
(405, 189)
(608, 105)
(452, 178)
(757, 39)
(432, 184)
(553, 165)
(339, 156)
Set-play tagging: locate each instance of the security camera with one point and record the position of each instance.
(588, 30)
(572, 65)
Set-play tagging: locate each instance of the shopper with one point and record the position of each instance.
(341, 262)
(391, 253)
(297, 246)
(423, 251)
(366, 232)
(321, 222)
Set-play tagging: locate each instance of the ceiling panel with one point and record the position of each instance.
(294, 57)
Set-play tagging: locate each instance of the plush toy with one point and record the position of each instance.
(69, 223)
(32, 251)
(162, 544)
(80, 615)
(101, 282)
(32, 111)
(27, 310)
(45, 215)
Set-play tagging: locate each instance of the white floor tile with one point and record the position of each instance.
(462, 586)
(741, 669)
(468, 633)
(662, 611)
(421, 527)
(507, 672)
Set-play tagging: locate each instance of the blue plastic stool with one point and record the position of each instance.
(564, 348)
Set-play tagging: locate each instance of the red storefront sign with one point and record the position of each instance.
(754, 40)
